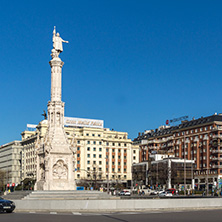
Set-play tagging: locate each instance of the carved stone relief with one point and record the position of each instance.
(60, 170)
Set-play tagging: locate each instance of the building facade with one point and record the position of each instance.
(10, 162)
(107, 153)
(198, 140)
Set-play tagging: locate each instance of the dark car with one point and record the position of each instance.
(6, 205)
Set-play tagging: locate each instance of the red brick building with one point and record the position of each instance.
(199, 140)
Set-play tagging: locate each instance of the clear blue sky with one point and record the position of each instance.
(133, 64)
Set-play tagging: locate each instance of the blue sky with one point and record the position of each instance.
(133, 64)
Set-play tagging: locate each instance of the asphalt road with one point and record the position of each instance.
(154, 216)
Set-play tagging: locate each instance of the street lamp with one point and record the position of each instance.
(206, 138)
(107, 158)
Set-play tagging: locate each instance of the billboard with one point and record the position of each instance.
(80, 122)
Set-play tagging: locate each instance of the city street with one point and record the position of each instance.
(182, 216)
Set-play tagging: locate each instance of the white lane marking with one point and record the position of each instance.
(53, 212)
(32, 212)
(76, 213)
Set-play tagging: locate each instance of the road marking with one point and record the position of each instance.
(32, 212)
(53, 212)
(76, 213)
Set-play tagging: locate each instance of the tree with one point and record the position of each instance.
(2, 180)
(93, 178)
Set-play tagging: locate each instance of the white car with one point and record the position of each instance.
(165, 194)
(127, 193)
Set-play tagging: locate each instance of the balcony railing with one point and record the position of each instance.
(217, 136)
(217, 166)
(216, 158)
(216, 151)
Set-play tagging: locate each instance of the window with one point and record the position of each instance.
(134, 157)
(118, 157)
(113, 157)
(100, 143)
(88, 142)
(100, 162)
(94, 155)
(201, 129)
(113, 170)
(196, 130)
(113, 150)
(119, 144)
(93, 134)
(78, 162)
(113, 144)
(118, 169)
(94, 148)
(100, 149)
(78, 148)
(78, 142)
(88, 148)
(124, 170)
(87, 134)
(107, 150)
(94, 162)
(124, 144)
(94, 142)
(107, 144)
(119, 150)
(125, 151)
(88, 155)
(134, 151)
(98, 135)
(100, 156)
(88, 162)
(78, 155)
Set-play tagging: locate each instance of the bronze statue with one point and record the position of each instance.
(44, 114)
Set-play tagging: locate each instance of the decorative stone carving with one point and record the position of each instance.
(60, 170)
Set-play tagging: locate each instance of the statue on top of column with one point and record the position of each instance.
(57, 41)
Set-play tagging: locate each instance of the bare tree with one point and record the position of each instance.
(2, 180)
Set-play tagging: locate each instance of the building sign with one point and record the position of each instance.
(80, 122)
(176, 119)
(32, 126)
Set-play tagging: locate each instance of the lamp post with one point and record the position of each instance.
(206, 138)
(107, 158)
(184, 154)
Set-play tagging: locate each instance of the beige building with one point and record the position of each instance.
(108, 152)
(10, 161)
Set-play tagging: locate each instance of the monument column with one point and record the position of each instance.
(55, 156)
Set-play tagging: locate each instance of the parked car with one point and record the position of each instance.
(165, 194)
(153, 192)
(127, 193)
(6, 205)
(160, 191)
(124, 193)
(171, 190)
